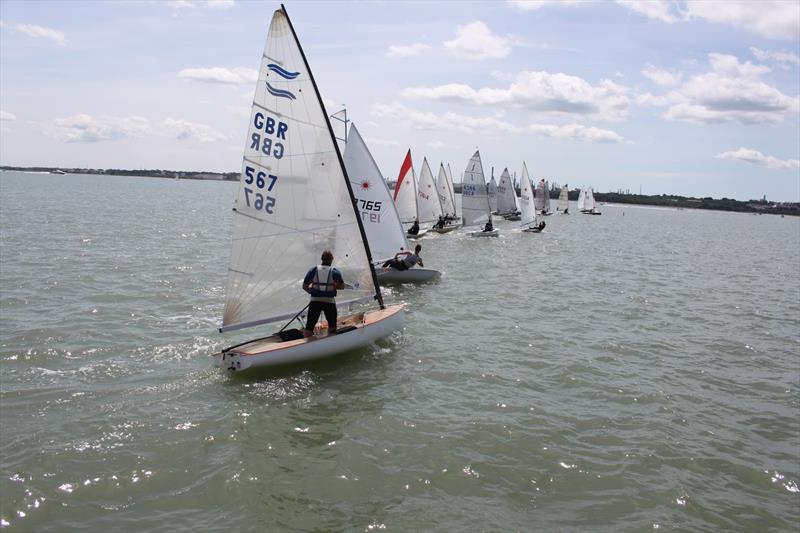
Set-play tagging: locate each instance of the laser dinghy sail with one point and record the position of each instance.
(385, 233)
(294, 201)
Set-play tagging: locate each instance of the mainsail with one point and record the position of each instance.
(506, 196)
(378, 213)
(294, 199)
(563, 198)
(589, 204)
(528, 216)
(428, 205)
(474, 203)
(582, 199)
(452, 189)
(491, 192)
(546, 197)
(405, 192)
(445, 195)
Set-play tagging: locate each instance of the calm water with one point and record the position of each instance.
(628, 372)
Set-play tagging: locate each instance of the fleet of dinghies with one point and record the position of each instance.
(586, 203)
(299, 195)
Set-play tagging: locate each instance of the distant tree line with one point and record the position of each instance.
(152, 173)
(667, 200)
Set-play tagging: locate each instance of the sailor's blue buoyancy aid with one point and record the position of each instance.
(322, 283)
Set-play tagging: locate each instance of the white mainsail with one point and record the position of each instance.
(475, 202)
(452, 189)
(294, 199)
(546, 197)
(491, 192)
(445, 195)
(538, 196)
(589, 204)
(428, 205)
(526, 207)
(563, 198)
(506, 196)
(378, 213)
(405, 192)
(582, 199)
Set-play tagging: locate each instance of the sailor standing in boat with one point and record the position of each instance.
(321, 282)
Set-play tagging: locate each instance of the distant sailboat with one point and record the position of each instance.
(385, 233)
(506, 197)
(446, 199)
(528, 211)
(491, 192)
(429, 208)
(475, 201)
(563, 200)
(590, 206)
(294, 201)
(405, 197)
(452, 192)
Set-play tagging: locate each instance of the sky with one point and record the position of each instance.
(696, 98)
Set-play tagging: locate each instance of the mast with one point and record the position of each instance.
(378, 295)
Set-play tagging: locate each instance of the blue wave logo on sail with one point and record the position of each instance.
(280, 71)
(280, 92)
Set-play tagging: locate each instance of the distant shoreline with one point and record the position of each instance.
(158, 173)
(663, 200)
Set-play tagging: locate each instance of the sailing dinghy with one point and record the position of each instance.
(506, 197)
(446, 199)
(475, 201)
(405, 197)
(294, 201)
(385, 233)
(563, 200)
(528, 215)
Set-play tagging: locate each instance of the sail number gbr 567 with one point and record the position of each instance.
(265, 140)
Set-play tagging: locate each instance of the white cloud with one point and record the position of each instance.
(781, 57)
(423, 120)
(576, 131)
(220, 4)
(538, 91)
(775, 19)
(755, 157)
(381, 142)
(654, 9)
(532, 5)
(662, 78)
(407, 51)
(40, 32)
(225, 76)
(476, 41)
(85, 128)
(184, 130)
(193, 4)
(730, 92)
(458, 122)
(6, 116)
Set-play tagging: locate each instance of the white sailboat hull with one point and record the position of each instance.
(272, 351)
(412, 275)
(446, 229)
(493, 233)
